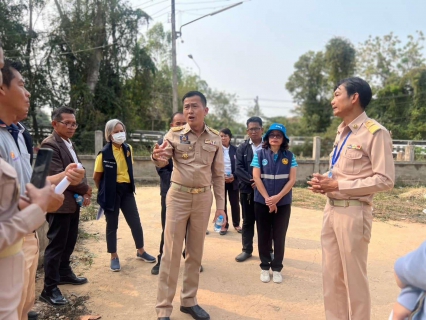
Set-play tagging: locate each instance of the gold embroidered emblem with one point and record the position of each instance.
(185, 156)
(372, 126)
(285, 161)
(214, 131)
(175, 129)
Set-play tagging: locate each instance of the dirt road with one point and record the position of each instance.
(231, 290)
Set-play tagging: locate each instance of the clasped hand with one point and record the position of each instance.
(322, 184)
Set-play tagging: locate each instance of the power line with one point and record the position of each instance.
(150, 5)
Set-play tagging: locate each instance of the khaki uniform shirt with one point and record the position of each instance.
(15, 224)
(197, 161)
(366, 164)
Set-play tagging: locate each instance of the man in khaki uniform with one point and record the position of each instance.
(361, 164)
(198, 163)
(14, 225)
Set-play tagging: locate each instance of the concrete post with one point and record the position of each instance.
(409, 153)
(400, 156)
(316, 153)
(99, 141)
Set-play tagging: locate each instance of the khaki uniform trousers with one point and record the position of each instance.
(31, 253)
(186, 214)
(11, 283)
(345, 237)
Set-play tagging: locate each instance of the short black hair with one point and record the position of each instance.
(174, 115)
(227, 132)
(357, 85)
(57, 113)
(7, 71)
(196, 93)
(255, 119)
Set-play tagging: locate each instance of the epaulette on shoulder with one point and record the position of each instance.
(175, 129)
(372, 126)
(214, 131)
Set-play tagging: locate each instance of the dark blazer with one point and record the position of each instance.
(243, 170)
(165, 174)
(60, 160)
(232, 156)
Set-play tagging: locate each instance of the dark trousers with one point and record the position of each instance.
(62, 235)
(124, 200)
(163, 224)
(275, 224)
(234, 199)
(247, 206)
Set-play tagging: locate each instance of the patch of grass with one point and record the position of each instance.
(89, 213)
(401, 203)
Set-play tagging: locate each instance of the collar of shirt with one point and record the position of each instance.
(20, 127)
(355, 125)
(188, 128)
(225, 148)
(68, 143)
(114, 147)
(13, 130)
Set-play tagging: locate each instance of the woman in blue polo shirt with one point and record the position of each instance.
(274, 172)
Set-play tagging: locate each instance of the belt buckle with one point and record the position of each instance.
(195, 190)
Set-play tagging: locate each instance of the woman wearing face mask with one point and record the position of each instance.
(114, 178)
(274, 171)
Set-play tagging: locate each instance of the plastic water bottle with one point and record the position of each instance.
(79, 199)
(63, 185)
(218, 224)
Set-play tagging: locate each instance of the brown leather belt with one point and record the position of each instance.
(179, 187)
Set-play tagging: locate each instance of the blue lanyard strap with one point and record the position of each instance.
(337, 156)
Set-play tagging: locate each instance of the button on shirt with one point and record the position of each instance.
(197, 160)
(227, 160)
(120, 159)
(366, 164)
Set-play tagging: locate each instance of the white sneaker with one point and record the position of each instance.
(277, 277)
(264, 276)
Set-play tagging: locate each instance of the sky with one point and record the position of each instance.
(250, 50)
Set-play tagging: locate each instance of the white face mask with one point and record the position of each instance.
(119, 137)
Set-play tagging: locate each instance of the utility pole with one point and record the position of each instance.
(174, 63)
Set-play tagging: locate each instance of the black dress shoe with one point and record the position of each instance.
(156, 270)
(243, 256)
(32, 315)
(164, 318)
(72, 279)
(55, 297)
(196, 312)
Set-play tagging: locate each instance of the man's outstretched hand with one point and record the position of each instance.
(160, 153)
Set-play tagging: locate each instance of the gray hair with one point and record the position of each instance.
(109, 127)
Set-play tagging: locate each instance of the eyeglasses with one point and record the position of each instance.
(276, 136)
(254, 129)
(69, 124)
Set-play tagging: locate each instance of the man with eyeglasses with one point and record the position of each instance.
(244, 173)
(63, 223)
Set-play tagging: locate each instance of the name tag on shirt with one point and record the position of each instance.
(207, 141)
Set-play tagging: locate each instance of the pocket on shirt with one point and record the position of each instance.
(208, 153)
(352, 161)
(184, 153)
(9, 189)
